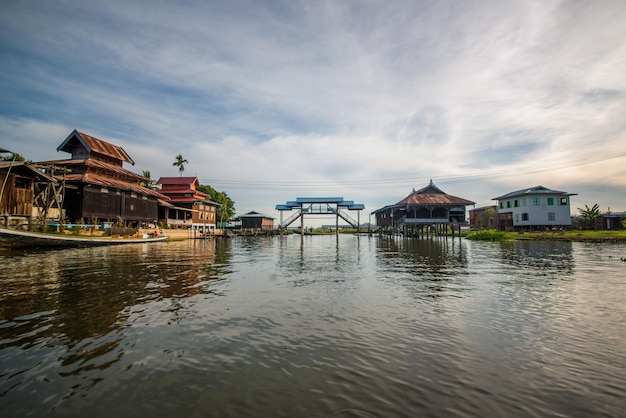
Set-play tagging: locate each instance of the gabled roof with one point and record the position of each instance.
(187, 181)
(433, 195)
(111, 182)
(254, 214)
(91, 162)
(93, 144)
(533, 191)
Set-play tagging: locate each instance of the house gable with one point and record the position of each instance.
(83, 146)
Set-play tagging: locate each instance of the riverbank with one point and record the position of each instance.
(574, 235)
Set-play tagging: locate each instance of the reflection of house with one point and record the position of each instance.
(536, 207)
(189, 207)
(483, 218)
(97, 187)
(20, 186)
(427, 206)
(256, 220)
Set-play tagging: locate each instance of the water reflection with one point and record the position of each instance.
(74, 304)
(430, 268)
(314, 326)
(539, 257)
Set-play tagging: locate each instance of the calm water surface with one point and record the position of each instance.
(321, 327)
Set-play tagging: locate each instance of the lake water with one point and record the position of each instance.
(325, 326)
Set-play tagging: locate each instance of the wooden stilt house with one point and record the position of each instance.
(97, 186)
(429, 208)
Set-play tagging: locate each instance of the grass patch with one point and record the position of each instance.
(488, 235)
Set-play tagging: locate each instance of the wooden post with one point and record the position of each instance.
(302, 222)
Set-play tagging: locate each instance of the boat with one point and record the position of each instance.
(20, 239)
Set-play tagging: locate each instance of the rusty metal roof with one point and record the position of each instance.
(433, 195)
(96, 179)
(93, 144)
(93, 163)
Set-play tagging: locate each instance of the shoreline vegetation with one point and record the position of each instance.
(573, 235)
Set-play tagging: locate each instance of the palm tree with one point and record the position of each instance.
(148, 182)
(180, 161)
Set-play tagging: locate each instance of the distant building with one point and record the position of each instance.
(611, 221)
(425, 207)
(256, 220)
(485, 217)
(189, 207)
(534, 208)
(97, 187)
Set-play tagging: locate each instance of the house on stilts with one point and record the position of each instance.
(426, 211)
(96, 186)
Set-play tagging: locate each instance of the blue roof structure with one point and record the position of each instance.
(339, 201)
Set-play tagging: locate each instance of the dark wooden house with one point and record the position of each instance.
(429, 207)
(485, 217)
(21, 184)
(256, 220)
(189, 207)
(97, 186)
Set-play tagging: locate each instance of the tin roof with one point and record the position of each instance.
(254, 214)
(433, 195)
(533, 191)
(105, 181)
(93, 144)
(93, 163)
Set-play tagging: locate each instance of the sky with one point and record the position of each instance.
(367, 100)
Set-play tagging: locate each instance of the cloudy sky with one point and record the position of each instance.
(270, 100)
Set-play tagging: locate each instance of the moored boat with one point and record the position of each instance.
(15, 238)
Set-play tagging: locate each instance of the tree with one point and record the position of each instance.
(180, 163)
(149, 183)
(589, 215)
(227, 205)
(13, 156)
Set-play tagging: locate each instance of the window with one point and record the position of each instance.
(524, 216)
(133, 194)
(516, 217)
(536, 201)
(563, 201)
(524, 201)
(508, 204)
(516, 203)
(550, 201)
(551, 216)
(104, 190)
(501, 205)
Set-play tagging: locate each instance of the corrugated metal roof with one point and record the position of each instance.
(93, 144)
(91, 178)
(90, 162)
(531, 191)
(433, 195)
(254, 214)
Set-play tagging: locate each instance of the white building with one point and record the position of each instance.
(534, 208)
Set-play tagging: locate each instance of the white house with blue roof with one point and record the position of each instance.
(534, 208)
